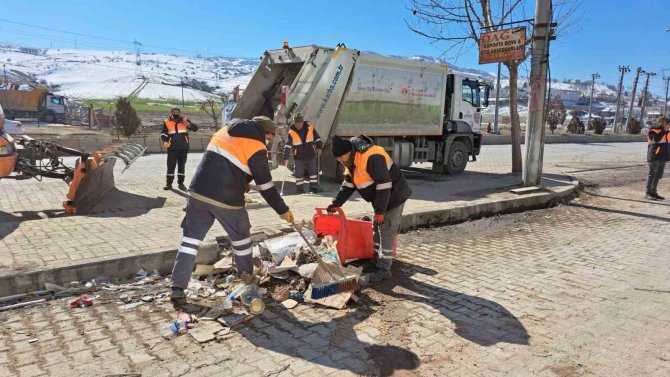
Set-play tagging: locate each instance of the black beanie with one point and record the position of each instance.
(341, 146)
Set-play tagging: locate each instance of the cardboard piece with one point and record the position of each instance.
(322, 275)
(233, 320)
(205, 331)
(286, 265)
(226, 263)
(290, 303)
(203, 269)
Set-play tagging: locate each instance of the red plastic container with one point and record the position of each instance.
(354, 236)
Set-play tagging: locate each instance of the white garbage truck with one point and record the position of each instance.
(417, 111)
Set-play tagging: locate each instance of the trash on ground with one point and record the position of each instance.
(174, 328)
(32, 340)
(205, 331)
(81, 302)
(289, 303)
(324, 275)
(132, 305)
(203, 269)
(235, 319)
(225, 263)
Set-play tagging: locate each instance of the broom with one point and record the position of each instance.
(336, 285)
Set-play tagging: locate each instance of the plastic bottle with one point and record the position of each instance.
(174, 328)
(228, 302)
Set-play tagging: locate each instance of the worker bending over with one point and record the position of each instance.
(235, 155)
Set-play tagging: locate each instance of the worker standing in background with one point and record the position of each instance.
(305, 145)
(370, 171)
(175, 139)
(235, 155)
(658, 153)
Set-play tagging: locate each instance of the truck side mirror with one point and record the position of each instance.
(487, 91)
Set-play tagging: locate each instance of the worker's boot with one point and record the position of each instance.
(182, 187)
(299, 189)
(658, 197)
(168, 186)
(378, 275)
(314, 189)
(178, 298)
(650, 196)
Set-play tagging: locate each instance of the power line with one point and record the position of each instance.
(94, 36)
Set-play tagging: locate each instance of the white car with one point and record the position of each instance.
(14, 127)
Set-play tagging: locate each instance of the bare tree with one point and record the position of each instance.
(211, 108)
(458, 24)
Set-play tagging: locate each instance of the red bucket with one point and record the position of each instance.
(354, 236)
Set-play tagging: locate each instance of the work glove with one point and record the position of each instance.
(379, 218)
(332, 208)
(288, 217)
(166, 144)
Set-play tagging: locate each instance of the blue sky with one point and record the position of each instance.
(610, 32)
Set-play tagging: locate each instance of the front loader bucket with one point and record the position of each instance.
(93, 179)
(93, 187)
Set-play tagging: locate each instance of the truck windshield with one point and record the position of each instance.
(56, 100)
(471, 92)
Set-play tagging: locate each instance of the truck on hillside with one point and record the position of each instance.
(36, 103)
(417, 111)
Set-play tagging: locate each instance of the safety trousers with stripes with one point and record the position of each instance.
(384, 236)
(199, 219)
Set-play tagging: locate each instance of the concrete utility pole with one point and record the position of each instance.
(665, 103)
(644, 97)
(594, 76)
(638, 71)
(622, 69)
(532, 167)
(182, 92)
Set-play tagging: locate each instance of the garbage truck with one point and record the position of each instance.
(36, 103)
(418, 111)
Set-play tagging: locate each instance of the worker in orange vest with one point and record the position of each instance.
(236, 155)
(658, 152)
(305, 145)
(175, 140)
(370, 171)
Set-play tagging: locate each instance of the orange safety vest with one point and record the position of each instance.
(237, 150)
(296, 138)
(177, 128)
(361, 177)
(664, 139)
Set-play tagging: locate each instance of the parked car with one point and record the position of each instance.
(14, 127)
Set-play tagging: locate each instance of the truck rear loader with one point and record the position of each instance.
(417, 111)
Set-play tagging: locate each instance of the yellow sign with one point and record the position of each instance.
(502, 45)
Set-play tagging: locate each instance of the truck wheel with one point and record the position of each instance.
(51, 118)
(458, 158)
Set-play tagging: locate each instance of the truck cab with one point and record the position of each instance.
(55, 107)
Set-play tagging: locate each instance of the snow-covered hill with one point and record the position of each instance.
(84, 74)
(81, 74)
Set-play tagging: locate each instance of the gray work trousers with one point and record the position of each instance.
(384, 237)
(303, 168)
(656, 168)
(199, 219)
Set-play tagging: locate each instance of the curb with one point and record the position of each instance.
(489, 139)
(162, 260)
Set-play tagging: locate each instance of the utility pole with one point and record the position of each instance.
(665, 103)
(182, 92)
(644, 97)
(638, 71)
(495, 116)
(4, 68)
(532, 167)
(622, 69)
(594, 76)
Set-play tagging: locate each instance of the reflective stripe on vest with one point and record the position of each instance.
(664, 139)
(361, 177)
(174, 127)
(295, 137)
(237, 150)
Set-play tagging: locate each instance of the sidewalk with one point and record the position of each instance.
(40, 245)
